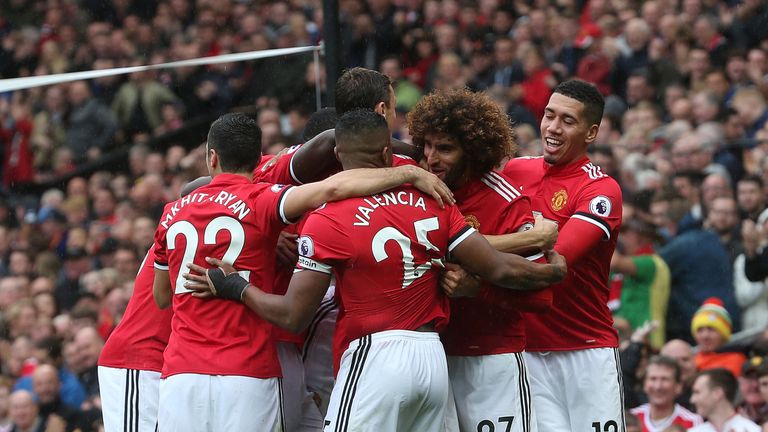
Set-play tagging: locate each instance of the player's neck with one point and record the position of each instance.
(660, 412)
(246, 174)
(721, 414)
(362, 163)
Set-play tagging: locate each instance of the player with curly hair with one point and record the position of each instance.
(465, 135)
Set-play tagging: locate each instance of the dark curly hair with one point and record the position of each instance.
(479, 124)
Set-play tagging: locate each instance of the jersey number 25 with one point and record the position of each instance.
(411, 271)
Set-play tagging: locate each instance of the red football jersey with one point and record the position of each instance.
(680, 416)
(491, 205)
(140, 338)
(280, 172)
(402, 160)
(386, 251)
(580, 198)
(237, 221)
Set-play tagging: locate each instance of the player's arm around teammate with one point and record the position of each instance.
(363, 182)
(295, 309)
(346, 184)
(542, 236)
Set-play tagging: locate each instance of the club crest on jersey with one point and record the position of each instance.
(559, 199)
(276, 187)
(600, 205)
(306, 246)
(472, 221)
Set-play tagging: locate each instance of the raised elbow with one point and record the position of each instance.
(162, 303)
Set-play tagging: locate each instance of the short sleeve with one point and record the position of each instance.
(323, 243)
(161, 252)
(161, 244)
(278, 170)
(518, 217)
(600, 204)
(402, 160)
(458, 230)
(270, 206)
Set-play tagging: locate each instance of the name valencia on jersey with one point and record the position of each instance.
(363, 214)
(231, 201)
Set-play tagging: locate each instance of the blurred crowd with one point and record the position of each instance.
(685, 132)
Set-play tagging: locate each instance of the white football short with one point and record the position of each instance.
(391, 381)
(577, 390)
(491, 393)
(129, 399)
(214, 403)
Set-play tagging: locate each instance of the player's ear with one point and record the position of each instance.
(381, 109)
(592, 133)
(336, 153)
(213, 158)
(386, 155)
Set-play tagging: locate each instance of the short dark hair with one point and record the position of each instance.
(361, 131)
(752, 178)
(359, 88)
(52, 345)
(127, 246)
(236, 137)
(320, 121)
(586, 93)
(723, 379)
(667, 362)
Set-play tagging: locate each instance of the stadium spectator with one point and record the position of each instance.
(714, 394)
(48, 131)
(700, 268)
(90, 124)
(46, 387)
(48, 351)
(138, 103)
(24, 413)
(646, 280)
(712, 328)
(750, 197)
(87, 344)
(752, 405)
(662, 384)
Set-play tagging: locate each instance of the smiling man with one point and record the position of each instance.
(714, 393)
(464, 136)
(662, 385)
(576, 334)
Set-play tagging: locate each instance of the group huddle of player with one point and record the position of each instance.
(437, 269)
